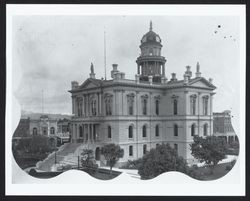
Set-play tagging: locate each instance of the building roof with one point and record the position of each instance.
(91, 83)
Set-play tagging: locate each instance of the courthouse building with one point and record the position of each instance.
(142, 113)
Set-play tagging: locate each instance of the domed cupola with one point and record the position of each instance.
(150, 62)
(150, 38)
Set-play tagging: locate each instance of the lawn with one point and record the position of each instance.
(219, 171)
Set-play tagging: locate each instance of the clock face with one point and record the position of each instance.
(158, 39)
(144, 39)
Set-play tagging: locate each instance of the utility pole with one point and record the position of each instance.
(55, 158)
(105, 53)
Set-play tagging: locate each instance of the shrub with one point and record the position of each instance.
(132, 164)
(228, 167)
(159, 160)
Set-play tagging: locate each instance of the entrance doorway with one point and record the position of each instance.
(97, 154)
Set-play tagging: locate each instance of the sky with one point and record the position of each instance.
(51, 51)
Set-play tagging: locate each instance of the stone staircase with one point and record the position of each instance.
(67, 152)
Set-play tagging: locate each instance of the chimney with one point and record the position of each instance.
(210, 80)
(185, 78)
(173, 77)
(188, 72)
(150, 79)
(137, 78)
(74, 85)
(197, 74)
(164, 80)
(114, 70)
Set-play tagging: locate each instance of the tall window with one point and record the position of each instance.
(144, 107)
(44, 129)
(79, 107)
(130, 132)
(205, 105)
(34, 131)
(130, 98)
(108, 106)
(193, 130)
(144, 131)
(93, 107)
(109, 132)
(205, 130)
(130, 150)
(175, 106)
(175, 130)
(157, 131)
(193, 104)
(144, 149)
(157, 107)
(52, 130)
(80, 131)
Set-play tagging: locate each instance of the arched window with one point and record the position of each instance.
(205, 130)
(144, 106)
(193, 104)
(52, 130)
(130, 150)
(175, 130)
(93, 107)
(144, 131)
(157, 107)
(130, 131)
(175, 107)
(34, 131)
(108, 104)
(79, 107)
(144, 149)
(157, 131)
(193, 130)
(109, 132)
(205, 105)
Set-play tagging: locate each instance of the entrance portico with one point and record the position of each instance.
(86, 132)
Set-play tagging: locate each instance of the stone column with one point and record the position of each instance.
(88, 125)
(83, 103)
(98, 104)
(163, 70)
(138, 69)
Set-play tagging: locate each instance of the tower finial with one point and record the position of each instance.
(92, 73)
(151, 26)
(198, 73)
(92, 68)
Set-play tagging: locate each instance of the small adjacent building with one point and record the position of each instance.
(223, 126)
(142, 113)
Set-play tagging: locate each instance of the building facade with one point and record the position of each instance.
(142, 113)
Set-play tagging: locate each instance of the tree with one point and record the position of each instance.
(112, 153)
(210, 150)
(162, 159)
(87, 161)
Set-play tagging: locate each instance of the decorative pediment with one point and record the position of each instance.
(157, 97)
(89, 83)
(108, 95)
(145, 96)
(205, 97)
(201, 82)
(174, 97)
(193, 96)
(131, 95)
